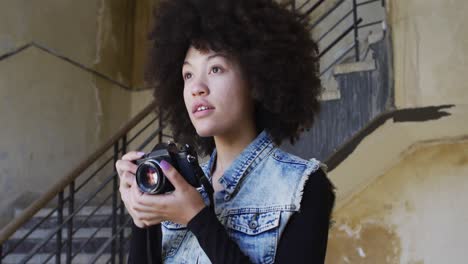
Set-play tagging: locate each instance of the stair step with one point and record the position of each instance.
(85, 211)
(91, 247)
(40, 258)
(97, 219)
(79, 238)
(81, 233)
(361, 66)
(78, 221)
(99, 223)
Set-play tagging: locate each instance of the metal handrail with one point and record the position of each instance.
(31, 210)
(82, 246)
(334, 26)
(311, 9)
(116, 245)
(303, 4)
(110, 158)
(355, 26)
(93, 212)
(109, 240)
(326, 14)
(339, 38)
(58, 229)
(30, 231)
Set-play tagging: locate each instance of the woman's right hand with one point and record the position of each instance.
(128, 186)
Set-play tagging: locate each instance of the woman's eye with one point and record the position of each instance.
(187, 75)
(216, 69)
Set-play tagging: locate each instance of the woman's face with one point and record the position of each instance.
(216, 94)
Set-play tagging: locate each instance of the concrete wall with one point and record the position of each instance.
(400, 190)
(431, 52)
(414, 213)
(53, 113)
(403, 186)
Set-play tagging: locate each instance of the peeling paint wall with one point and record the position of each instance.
(414, 213)
(55, 114)
(430, 39)
(401, 193)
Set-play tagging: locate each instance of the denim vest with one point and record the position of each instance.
(262, 189)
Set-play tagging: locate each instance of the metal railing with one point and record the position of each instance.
(332, 12)
(64, 193)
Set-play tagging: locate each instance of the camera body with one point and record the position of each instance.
(150, 177)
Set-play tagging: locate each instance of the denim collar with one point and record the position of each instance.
(246, 161)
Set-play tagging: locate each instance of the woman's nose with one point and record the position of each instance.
(200, 89)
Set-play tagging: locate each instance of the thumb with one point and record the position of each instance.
(173, 175)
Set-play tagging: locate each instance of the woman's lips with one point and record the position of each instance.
(203, 113)
(201, 106)
(198, 104)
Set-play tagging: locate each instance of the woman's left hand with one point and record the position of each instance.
(179, 206)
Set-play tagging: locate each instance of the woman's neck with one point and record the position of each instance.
(228, 147)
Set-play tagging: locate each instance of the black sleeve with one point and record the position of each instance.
(214, 240)
(304, 239)
(145, 245)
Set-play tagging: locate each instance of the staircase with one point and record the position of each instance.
(81, 219)
(355, 69)
(95, 228)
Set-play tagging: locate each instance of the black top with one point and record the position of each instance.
(304, 239)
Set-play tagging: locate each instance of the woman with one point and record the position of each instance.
(235, 78)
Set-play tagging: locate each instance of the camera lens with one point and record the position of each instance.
(149, 177)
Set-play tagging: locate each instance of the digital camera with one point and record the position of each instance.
(150, 177)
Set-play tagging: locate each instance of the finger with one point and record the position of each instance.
(132, 155)
(153, 222)
(125, 196)
(155, 210)
(139, 208)
(174, 176)
(134, 197)
(135, 191)
(155, 202)
(127, 179)
(148, 217)
(125, 165)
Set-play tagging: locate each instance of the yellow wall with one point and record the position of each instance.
(55, 114)
(403, 190)
(430, 39)
(392, 207)
(414, 213)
